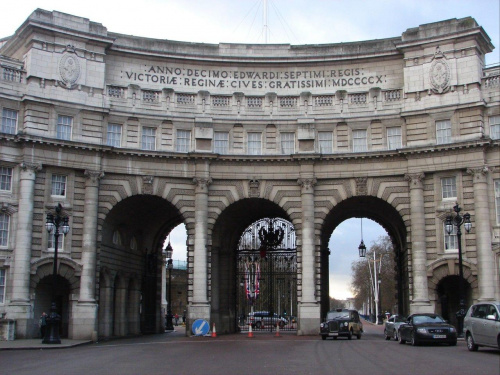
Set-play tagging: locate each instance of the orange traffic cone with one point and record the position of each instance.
(214, 333)
(250, 333)
(277, 330)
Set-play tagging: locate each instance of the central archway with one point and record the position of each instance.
(390, 219)
(226, 235)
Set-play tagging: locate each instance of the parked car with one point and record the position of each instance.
(482, 325)
(341, 322)
(427, 328)
(260, 319)
(392, 325)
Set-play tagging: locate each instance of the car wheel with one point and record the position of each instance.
(282, 324)
(395, 335)
(471, 345)
(386, 336)
(453, 343)
(323, 337)
(257, 325)
(350, 335)
(414, 340)
(358, 336)
(400, 339)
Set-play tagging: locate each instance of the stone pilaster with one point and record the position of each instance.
(199, 307)
(19, 308)
(309, 309)
(84, 326)
(420, 301)
(482, 227)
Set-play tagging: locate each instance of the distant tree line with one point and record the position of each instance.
(361, 285)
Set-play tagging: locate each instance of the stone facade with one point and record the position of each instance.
(134, 136)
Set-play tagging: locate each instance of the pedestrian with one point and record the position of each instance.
(176, 319)
(42, 324)
(184, 318)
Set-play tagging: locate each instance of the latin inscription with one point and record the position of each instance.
(168, 75)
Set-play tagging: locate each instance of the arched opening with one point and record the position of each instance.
(131, 253)
(226, 235)
(392, 223)
(43, 299)
(267, 276)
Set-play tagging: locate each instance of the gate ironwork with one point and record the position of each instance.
(266, 273)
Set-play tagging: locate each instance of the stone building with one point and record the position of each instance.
(133, 136)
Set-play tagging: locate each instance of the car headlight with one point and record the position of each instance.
(452, 329)
(322, 325)
(421, 330)
(346, 324)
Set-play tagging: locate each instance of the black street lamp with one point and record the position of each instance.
(60, 225)
(168, 252)
(457, 221)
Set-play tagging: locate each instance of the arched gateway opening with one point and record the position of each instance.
(390, 219)
(130, 265)
(229, 265)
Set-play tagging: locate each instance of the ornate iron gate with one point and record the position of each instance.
(267, 277)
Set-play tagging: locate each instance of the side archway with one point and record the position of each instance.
(382, 213)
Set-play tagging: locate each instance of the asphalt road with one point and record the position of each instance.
(263, 354)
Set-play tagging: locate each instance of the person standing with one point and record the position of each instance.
(176, 319)
(42, 323)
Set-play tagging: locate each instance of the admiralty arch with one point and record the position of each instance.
(133, 136)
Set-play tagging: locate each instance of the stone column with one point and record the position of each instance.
(19, 308)
(199, 307)
(420, 301)
(85, 314)
(309, 309)
(482, 227)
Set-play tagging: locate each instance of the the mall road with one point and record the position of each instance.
(287, 354)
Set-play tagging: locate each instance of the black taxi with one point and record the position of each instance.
(341, 322)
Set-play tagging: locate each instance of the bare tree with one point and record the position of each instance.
(361, 284)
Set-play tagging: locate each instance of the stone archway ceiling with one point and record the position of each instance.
(367, 207)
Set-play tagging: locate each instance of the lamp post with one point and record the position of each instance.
(58, 224)
(457, 221)
(168, 252)
(373, 276)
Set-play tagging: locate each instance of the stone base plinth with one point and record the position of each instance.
(309, 315)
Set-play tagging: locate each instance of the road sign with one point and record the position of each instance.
(200, 327)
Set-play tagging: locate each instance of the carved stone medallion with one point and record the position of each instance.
(439, 73)
(69, 67)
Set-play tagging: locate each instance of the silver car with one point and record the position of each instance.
(482, 325)
(392, 325)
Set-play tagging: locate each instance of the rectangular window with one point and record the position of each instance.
(183, 141)
(9, 121)
(449, 188)
(394, 138)
(325, 142)
(64, 124)
(450, 240)
(287, 143)
(148, 138)
(114, 137)
(2, 285)
(359, 141)
(443, 132)
(221, 142)
(254, 143)
(4, 229)
(58, 185)
(497, 199)
(5, 178)
(495, 127)
(52, 242)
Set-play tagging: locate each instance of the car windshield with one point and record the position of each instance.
(399, 319)
(337, 314)
(427, 319)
